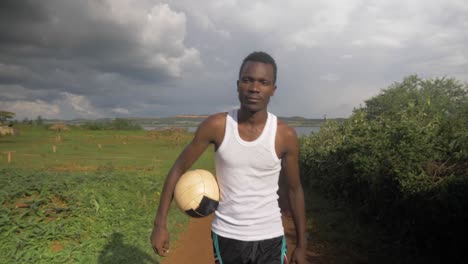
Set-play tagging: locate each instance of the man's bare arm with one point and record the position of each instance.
(290, 166)
(204, 135)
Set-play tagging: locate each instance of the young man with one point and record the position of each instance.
(252, 147)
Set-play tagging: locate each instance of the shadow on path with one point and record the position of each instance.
(116, 252)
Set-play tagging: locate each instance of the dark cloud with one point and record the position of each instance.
(19, 21)
(66, 58)
(48, 35)
(51, 50)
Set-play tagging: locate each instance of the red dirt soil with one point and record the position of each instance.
(194, 245)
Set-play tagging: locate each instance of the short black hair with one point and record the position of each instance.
(263, 57)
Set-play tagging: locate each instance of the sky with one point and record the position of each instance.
(67, 59)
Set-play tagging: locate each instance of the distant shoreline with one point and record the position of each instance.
(300, 130)
(189, 121)
(191, 116)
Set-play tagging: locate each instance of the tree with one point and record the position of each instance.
(39, 121)
(5, 115)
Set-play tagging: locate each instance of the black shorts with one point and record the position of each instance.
(231, 251)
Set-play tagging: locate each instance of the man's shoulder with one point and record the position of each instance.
(212, 128)
(285, 130)
(218, 117)
(286, 138)
(215, 120)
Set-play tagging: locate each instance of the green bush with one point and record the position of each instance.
(402, 158)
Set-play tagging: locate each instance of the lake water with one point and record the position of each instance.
(301, 131)
(305, 131)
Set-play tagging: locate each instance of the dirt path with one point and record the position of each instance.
(194, 245)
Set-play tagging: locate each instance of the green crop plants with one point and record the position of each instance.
(93, 200)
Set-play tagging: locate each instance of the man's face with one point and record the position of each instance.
(255, 85)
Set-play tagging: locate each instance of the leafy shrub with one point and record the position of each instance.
(403, 159)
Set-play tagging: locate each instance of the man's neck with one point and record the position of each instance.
(252, 118)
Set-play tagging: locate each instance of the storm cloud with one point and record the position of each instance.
(106, 58)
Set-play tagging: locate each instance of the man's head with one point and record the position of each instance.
(256, 82)
(263, 57)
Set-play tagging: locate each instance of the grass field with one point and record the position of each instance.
(85, 196)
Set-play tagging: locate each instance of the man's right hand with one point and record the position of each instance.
(160, 240)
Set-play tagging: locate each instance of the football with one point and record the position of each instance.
(197, 193)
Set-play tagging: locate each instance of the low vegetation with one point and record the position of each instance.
(85, 196)
(402, 161)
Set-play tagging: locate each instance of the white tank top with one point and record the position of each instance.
(247, 174)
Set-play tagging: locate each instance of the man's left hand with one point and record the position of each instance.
(298, 256)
